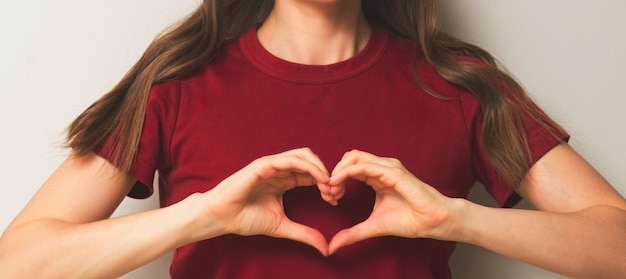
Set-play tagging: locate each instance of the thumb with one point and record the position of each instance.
(301, 233)
(358, 232)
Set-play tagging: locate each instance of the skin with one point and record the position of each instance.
(314, 32)
(577, 211)
(65, 230)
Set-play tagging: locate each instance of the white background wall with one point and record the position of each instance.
(56, 57)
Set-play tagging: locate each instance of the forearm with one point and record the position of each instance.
(104, 249)
(587, 244)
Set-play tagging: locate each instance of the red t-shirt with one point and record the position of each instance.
(248, 103)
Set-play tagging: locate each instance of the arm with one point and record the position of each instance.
(578, 231)
(63, 228)
(64, 232)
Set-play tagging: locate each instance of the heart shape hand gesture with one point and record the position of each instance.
(249, 202)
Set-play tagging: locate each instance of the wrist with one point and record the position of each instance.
(194, 223)
(458, 224)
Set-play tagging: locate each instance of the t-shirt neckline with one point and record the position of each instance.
(276, 67)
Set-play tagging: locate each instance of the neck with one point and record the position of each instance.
(315, 33)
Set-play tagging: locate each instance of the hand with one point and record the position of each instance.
(250, 202)
(404, 205)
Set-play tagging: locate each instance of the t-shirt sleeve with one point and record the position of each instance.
(153, 152)
(540, 142)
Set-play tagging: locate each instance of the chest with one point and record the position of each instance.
(221, 129)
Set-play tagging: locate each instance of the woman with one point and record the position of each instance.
(322, 74)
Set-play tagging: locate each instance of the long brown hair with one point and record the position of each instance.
(118, 116)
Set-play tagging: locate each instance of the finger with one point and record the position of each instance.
(326, 193)
(307, 154)
(357, 156)
(331, 193)
(348, 158)
(325, 189)
(291, 166)
(330, 200)
(302, 179)
(301, 233)
(338, 191)
(372, 174)
(359, 232)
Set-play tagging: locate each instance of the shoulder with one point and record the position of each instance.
(164, 95)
